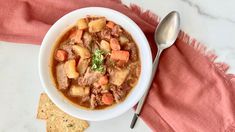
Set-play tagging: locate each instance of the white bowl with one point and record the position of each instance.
(55, 95)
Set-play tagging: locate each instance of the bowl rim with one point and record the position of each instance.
(96, 115)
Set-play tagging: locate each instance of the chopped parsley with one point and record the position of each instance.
(97, 61)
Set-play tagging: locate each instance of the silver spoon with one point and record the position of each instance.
(164, 36)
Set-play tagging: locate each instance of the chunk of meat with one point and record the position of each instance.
(96, 99)
(61, 55)
(78, 91)
(109, 63)
(105, 34)
(87, 39)
(131, 47)
(107, 98)
(61, 77)
(96, 90)
(68, 48)
(114, 44)
(95, 37)
(70, 69)
(118, 94)
(81, 81)
(93, 102)
(116, 30)
(99, 99)
(94, 47)
(117, 77)
(89, 77)
(125, 86)
(120, 55)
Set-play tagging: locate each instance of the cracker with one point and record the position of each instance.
(57, 120)
(65, 123)
(44, 105)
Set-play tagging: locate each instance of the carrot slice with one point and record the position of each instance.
(110, 24)
(73, 33)
(107, 98)
(61, 55)
(76, 35)
(114, 44)
(120, 63)
(120, 55)
(103, 80)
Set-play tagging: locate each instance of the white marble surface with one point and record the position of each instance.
(211, 22)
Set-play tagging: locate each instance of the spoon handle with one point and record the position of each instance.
(142, 100)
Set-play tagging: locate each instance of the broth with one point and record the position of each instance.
(95, 63)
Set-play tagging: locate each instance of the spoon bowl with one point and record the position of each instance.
(167, 30)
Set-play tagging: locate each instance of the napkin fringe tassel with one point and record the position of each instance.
(221, 67)
(201, 48)
(209, 54)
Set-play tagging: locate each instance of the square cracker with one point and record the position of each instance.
(65, 123)
(47, 108)
(57, 120)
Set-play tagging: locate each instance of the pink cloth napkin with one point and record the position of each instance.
(190, 92)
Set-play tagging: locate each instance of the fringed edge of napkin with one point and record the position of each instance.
(198, 46)
(221, 67)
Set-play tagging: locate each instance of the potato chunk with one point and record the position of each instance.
(70, 69)
(82, 65)
(97, 25)
(104, 45)
(82, 51)
(123, 39)
(79, 91)
(117, 77)
(82, 24)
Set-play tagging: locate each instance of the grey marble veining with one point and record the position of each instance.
(211, 22)
(206, 14)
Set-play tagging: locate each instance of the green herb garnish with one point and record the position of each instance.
(97, 61)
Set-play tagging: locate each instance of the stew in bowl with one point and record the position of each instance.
(95, 63)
